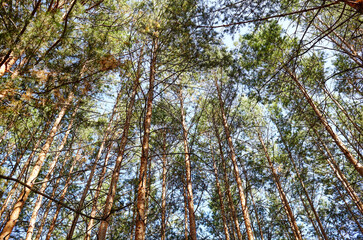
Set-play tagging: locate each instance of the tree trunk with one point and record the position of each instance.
(192, 225)
(93, 169)
(141, 190)
(63, 194)
(186, 232)
(163, 190)
(285, 202)
(340, 175)
(253, 201)
(51, 169)
(226, 182)
(225, 228)
(358, 166)
(97, 194)
(101, 235)
(55, 188)
(5, 234)
(242, 197)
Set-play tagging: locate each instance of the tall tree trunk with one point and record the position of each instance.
(101, 235)
(99, 185)
(357, 165)
(349, 209)
(192, 225)
(225, 227)
(163, 189)
(246, 215)
(63, 194)
(93, 169)
(24, 168)
(97, 194)
(340, 175)
(322, 230)
(5, 234)
(257, 217)
(54, 191)
(285, 202)
(253, 201)
(318, 232)
(186, 232)
(51, 169)
(226, 182)
(141, 190)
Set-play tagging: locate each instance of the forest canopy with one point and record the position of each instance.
(181, 119)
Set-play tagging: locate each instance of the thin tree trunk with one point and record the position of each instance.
(51, 169)
(101, 235)
(340, 175)
(246, 215)
(141, 190)
(97, 194)
(349, 209)
(257, 218)
(253, 202)
(192, 224)
(186, 234)
(63, 194)
(285, 202)
(318, 233)
(24, 168)
(163, 190)
(226, 182)
(357, 165)
(148, 190)
(93, 169)
(322, 230)
(133, 218)
(225, 228)
(5, 234)
(55, 188)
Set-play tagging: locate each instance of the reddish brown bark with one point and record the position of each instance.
(189, 187)
(357, 165)
(246, 215)
(186, 232)
(356, 4)
(236, 229)
(285, 202)
(5, 234)
(221, 205)
(163, 189)
(93, 169)
(63, 194)
(101, 235)
(141, 191)
(51, 169)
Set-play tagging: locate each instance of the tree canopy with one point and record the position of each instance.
(181, 119)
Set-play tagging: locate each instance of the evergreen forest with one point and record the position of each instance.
(181, 119)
